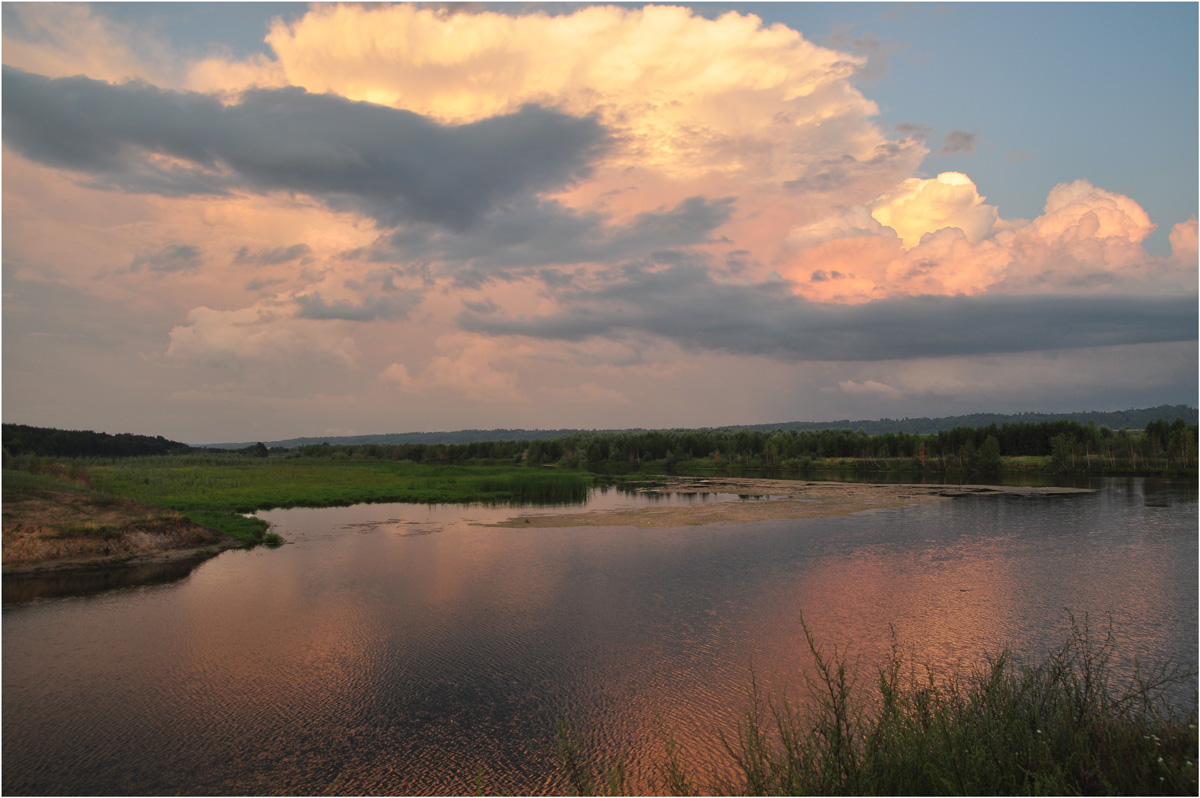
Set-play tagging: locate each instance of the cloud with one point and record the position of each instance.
(919, 206)
(730, 103)
(171, 258)
(1184, 242)
(465, 366)
(65, 39)
(939, 237)
(1087, 238)
(957, 141)
(685, 305)
(527, 235)
(868, 388)
(263, 334)
(373, 306)
(272, 256)
(389, 164)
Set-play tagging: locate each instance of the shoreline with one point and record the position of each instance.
(119, 561)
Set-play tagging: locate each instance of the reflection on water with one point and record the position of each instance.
(408, 649)
(21, 588)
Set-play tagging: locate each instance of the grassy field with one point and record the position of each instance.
(218, 491)
(1059, 726)
(243, 485)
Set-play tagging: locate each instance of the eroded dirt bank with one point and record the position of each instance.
(46, 529)
(767, 499)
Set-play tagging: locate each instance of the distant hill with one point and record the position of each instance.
(1118, 419)
(428, 438)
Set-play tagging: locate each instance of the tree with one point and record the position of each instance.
(989, 455)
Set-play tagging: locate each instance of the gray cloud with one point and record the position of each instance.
(271, 257)
(684, 304)
(957, 141)
(544, 233)
(392, 306)
(173, 258)
(392, 165)
(845, 171)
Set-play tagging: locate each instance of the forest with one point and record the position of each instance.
(1061, 445)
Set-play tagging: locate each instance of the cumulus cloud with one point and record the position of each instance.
(390, 164)
(528, 211)
(919, 206)
(730, 101)
(937, 236)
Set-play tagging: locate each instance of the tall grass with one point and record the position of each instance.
(1060, 725)
(247, 484)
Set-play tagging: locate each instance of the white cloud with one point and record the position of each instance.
(918, 207)
(263, 333)
(464, 366)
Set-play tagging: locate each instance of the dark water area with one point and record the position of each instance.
(24, 588)
(408, 649)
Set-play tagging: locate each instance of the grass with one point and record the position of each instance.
(240, 527)
(218, 491)
(1061, 725)
(244, 485)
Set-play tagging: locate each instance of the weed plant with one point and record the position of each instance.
(1060, 726)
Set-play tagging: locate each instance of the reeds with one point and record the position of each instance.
(1060, 725)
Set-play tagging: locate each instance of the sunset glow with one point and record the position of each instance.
(392, 218)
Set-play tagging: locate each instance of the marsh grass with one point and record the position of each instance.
(243, 485)
(235, 525)
(1061, 725)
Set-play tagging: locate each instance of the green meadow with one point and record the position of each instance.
(217, 491)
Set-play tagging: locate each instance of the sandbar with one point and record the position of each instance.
(770, 499)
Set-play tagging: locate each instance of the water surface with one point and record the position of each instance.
(408, 649)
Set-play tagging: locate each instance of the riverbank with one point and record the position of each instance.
(769, 499)
(51, 526)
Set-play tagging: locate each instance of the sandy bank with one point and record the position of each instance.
(48, 530)
(768, 499)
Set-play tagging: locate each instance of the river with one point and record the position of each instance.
(411, 649)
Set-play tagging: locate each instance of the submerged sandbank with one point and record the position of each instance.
(768, 499)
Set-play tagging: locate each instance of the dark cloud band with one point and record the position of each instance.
(684, 304)
(390, 164)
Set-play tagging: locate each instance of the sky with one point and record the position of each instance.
(256, 221)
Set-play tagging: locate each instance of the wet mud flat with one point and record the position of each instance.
(748, 500)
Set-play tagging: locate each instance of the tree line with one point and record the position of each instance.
(21, 439)
(1070, 446)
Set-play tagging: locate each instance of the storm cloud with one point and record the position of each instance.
(685, 305)
(389, 164)
(544, 233)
